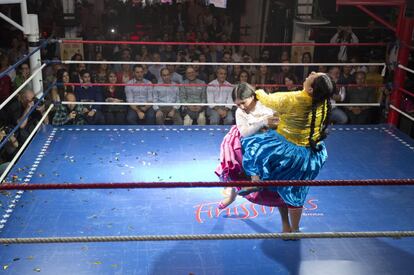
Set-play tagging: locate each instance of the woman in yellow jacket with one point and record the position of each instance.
(295, 150)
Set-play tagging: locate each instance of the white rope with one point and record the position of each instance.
(219, 63)
(299, 235)
(188, 104)
(144, 103)
(22, 86)
(405, 68)
(13, 161)
(402, 112)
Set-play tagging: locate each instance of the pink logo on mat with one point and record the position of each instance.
(246, 210)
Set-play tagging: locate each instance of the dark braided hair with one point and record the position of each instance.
(323, 89)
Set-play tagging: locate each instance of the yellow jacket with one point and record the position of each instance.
(295, 111)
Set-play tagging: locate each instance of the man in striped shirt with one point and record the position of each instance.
(140, 114)
(193, 94)
(167, 94)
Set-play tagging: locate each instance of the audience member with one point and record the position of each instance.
(167, 94)
(114, 114)
(338, 116)
(360, 94)
(344, 35)
(243, 77)
(23, 73)
(263, 77)
(19, 110)
(291, 83)
(69, 114)
(196, 93)
(125, 74)
(58, 92)
(302, 72)
(89, 93)
(100, 75)
(139, 114)
(219, 92)
(175, 77)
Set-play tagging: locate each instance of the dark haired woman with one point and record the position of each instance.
(251, 118)
(243, 77)
(114, 114)
(290, 82)
(58, 92)
(295, 151)
(303, 71)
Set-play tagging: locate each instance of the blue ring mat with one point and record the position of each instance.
(170, 153)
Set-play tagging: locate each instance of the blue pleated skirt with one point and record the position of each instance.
(272, 157)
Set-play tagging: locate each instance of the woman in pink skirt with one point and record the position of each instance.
(251, 118)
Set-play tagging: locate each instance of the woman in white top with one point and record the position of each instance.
(251, 115)
(251, 118)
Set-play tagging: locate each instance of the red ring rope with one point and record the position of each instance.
(130, 185)
(205, 85)
(218, 43)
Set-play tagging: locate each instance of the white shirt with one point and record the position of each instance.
(166, 94)
(139, 94)
(219, 94)
(250, 123)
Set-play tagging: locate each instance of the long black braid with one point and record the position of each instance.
(323, 88)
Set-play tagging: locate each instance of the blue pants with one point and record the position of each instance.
(149, 118)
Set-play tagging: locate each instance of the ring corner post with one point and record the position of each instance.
(35, 59)
(404, 34)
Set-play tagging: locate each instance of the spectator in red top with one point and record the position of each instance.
(114, 114)
(125, 74)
